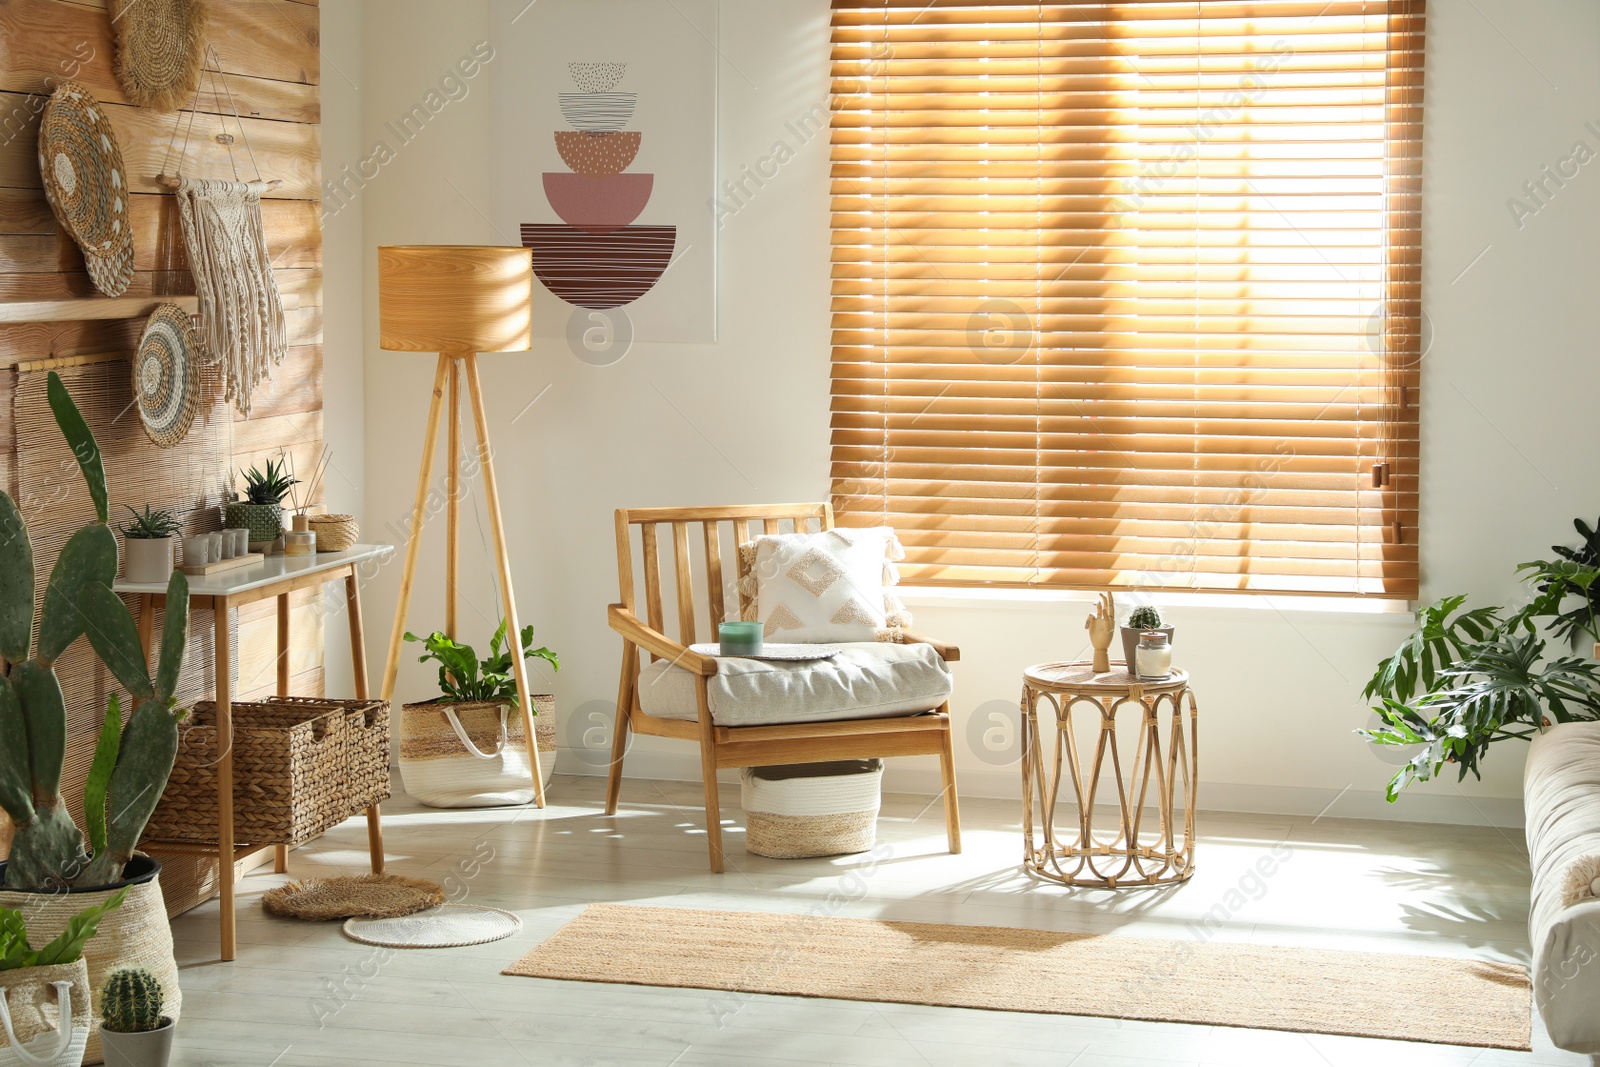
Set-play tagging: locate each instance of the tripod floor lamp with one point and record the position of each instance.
(458, 300)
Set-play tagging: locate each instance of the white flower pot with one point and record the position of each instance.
(147, 561)
(150, 1049)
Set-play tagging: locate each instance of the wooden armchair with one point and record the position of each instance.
(741, 746)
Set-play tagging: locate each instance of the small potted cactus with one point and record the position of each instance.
(147, 546)
(1142, 618)
(133, 1032)
(260, 509)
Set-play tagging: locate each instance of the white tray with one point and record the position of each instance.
(777, 653)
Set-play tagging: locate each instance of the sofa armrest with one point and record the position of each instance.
(629, 626)
(948, 653)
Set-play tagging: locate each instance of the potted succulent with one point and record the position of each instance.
(465, 748)
(260, 507)
(132, 1028)
(54, 977)
(53, 869)
(1142, 618)
(147, 546)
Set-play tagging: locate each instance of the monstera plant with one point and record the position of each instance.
(132, 761)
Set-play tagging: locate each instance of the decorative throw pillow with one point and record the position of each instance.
(1582, 881)
(829, 586)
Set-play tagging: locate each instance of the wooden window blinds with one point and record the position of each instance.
(1129, 294)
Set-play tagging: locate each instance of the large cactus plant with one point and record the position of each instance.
(132, 762)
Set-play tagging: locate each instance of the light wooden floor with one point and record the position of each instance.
(1367, 885)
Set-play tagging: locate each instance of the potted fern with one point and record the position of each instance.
(1140, 619)
(133, 1029)
(54, 869)
(147, 546)
(260, 507)
(465, 748)
(34, 981)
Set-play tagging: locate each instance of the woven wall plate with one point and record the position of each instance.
(377, 896)
(448, 926)
(86, 184)
(166, 376)
(160, 49)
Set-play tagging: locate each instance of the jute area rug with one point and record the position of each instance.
(1361, 994)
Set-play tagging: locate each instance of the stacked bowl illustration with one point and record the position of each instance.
(598, 259)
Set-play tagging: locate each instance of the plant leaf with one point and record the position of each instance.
(79, 438)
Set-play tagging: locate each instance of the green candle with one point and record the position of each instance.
(740, 638)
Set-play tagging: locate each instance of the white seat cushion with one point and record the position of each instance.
(1562, 795)
(866, 680)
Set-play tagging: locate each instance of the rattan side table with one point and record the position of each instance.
(1161, 775)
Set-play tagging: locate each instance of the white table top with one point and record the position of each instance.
(269, 571)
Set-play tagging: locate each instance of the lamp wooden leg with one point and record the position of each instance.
(519, 668)
(619, 737)
(452, 506)
(430, 439)
(224, 704)
(947, 776)
(708, 772)
(358, 665)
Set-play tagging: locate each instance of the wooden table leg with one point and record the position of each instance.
(224, 702)
(147, 624)
(358, 664)
(519, 667)
(280, 853)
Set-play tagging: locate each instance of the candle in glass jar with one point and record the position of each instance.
(1153, 657)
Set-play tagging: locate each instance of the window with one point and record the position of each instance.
(1129, 294)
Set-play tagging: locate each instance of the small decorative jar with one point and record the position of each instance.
(299, 543)
(1153, 657)
(740, 638)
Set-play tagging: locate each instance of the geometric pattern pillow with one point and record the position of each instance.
(835, 585)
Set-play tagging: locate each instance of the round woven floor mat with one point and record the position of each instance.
(377, 896)
(447, 926)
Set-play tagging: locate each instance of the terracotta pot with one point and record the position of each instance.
(147, 560)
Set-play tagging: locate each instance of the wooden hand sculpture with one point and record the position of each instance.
(1101, 625)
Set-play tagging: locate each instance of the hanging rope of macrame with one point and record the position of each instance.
(241, 312)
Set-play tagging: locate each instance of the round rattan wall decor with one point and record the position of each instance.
(166, 378)
(160, 49)
(86, 184)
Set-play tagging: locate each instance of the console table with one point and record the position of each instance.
(1161, 772)
(275, 576)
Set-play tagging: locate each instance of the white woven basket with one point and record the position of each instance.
(819, 809)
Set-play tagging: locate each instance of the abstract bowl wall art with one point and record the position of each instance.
(599, 259)
(597, 155)
(598, 205)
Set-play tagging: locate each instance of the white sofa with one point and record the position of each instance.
(1562, 796)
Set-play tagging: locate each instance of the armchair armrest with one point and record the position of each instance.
(948, 653)
(629, 626)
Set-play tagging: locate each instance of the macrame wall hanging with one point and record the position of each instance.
(241, 313)
(160, 49)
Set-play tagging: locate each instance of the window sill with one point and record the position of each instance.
(953, 596)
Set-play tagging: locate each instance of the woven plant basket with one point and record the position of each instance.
(135, 935)
(813, 809)
(35, 1007)
(290, 777)
(366, 740)
(335, 533)
(439, 771)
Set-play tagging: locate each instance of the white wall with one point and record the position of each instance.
(1508, 457)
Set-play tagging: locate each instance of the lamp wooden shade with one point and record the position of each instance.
(455, 298)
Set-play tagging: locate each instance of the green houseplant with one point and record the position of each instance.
(54, 869)
(464, 748)
(260, 507)
(134, 1030)
(1467, 679)
(1142, 618)
(25, 975)
(147, 546)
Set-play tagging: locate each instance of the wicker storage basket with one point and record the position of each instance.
(335, 533)
(290, 775)
(366, 741)
(812, 809)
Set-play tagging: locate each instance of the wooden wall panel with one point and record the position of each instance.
(269, 52)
